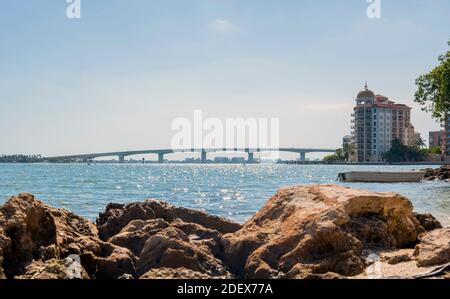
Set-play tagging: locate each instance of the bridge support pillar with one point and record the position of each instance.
(251, 157)
(160, 158)
(121, 159)
(203, 156)
(302, 157)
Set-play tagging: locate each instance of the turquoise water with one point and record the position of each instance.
(233, 191)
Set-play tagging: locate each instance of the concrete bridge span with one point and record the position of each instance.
(204, 151)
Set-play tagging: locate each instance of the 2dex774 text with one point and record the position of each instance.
(226, 288)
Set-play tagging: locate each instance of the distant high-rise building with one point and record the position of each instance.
(377, 121)
(447, 135)
(436, 139)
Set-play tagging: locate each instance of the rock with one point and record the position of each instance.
(314, 232)
(398, 256)
(178, 273)
(442, 173)
(28, 231)
(53, 269)
(171, 248)
(209, 239)
(32, 231)
(434, 248)
(427, 221)
(111, 262)
(308, 230)
(134, 235)
(117, 216)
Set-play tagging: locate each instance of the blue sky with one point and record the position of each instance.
(116, 78)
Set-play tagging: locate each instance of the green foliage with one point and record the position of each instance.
(338, 156)
(402, 153)
(20, 158)
(348, 150)
(420, 143)
(435, 150)
(433, 88)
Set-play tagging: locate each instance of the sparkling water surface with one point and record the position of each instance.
(232, 191)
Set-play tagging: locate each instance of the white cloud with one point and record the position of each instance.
(222, 26)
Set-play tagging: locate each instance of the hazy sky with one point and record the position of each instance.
(116, 78)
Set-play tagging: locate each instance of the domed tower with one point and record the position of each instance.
(362, 125)
(365, 96)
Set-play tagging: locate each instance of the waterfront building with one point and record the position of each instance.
(436, 139)
(377, 121)
(447, 135)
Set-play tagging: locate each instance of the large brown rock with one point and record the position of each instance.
(28, 231)
(111, 262)
(171, 248)
(308, 230)
(117, 216)
(134, 235)
(428, 221)
(32, 231)
(434, 248)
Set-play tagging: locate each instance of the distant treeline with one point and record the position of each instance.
(20, 158)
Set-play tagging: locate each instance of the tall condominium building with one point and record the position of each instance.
(447, 135)
(436, 139)
(377, 121)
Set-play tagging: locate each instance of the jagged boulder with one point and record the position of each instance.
(28, 232)
(134, 235)
(434, 248)
(428, 221)
(111, 262)
(303, 231)
(117, 216)
(171, 248)
(32, 231)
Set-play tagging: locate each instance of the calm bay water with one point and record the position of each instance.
(232, 191)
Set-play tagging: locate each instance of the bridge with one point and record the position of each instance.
(203, 151)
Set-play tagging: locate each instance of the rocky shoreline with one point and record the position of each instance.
(302, 232)
(438, 174)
